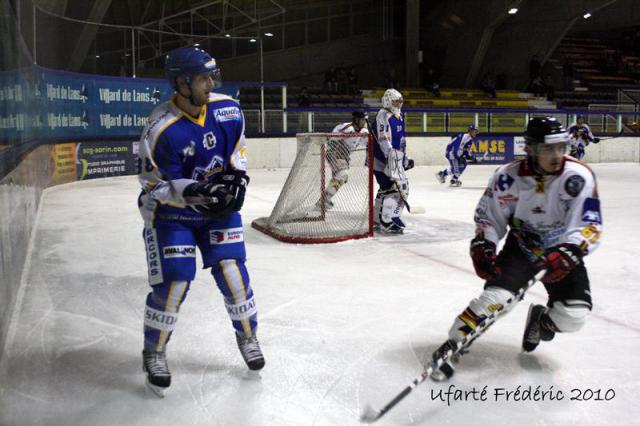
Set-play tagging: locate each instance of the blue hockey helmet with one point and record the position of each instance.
(188, 62)
(472, 127)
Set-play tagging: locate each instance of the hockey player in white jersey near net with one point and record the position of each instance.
(547, 205)
(339, 152)
(390, 163)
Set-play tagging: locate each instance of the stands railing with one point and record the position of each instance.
(432, 120)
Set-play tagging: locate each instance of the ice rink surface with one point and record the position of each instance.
(341, 325)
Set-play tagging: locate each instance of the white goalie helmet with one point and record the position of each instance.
(392, 101)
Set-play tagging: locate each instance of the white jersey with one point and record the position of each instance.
(354, 142)
(547, 210)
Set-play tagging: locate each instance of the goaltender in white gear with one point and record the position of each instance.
(390, 164)
(339, 152)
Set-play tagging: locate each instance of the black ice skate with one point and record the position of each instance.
(455, 182)
(154, 364)
(448, 355)
(250, 351)
(538, 327)
(440, 176)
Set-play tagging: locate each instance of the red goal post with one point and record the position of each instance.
(309, 209)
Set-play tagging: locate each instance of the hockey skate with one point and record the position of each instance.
(534, 332)
(455, 183)
(396, 226)
(250, 351)
(446, 370)
(154, 364)
(440, 176)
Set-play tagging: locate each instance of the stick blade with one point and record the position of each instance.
(369, 414)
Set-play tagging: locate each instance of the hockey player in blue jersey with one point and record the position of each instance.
(193, 177)
(390, 163)
(458, 154)
(580, 137)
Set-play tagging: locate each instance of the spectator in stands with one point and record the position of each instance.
(330, 81)
(304, 98)
(390, 80)
(548, 87)
(567, 74)
(488, 84)
(537, 86)
(431, 83)
(535, 70)
(352, 81)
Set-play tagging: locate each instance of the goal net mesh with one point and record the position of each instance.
(309, 208)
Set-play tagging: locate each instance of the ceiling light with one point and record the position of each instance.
(269, 34)
(513, 11)
(97, 56)
(586, 15)
(253, 40)
(227, 35)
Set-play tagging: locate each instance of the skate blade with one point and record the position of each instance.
(157, 390)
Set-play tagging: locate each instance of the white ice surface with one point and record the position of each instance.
(341, 325)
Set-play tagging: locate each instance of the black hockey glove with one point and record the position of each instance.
(596, 140)
(409, 164)
(483, 254)
(560, 261)
(236, 182)
(211, 199)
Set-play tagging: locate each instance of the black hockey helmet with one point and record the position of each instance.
(546, 130)
(358, 114)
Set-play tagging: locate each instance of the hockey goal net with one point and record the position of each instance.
(310, 209)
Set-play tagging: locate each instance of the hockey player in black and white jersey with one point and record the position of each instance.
(547, 205)
(339, 152)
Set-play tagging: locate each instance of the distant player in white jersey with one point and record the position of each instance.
(580, 136)
(458, 154)
(390, 163)
(547, 205)
(340, 149)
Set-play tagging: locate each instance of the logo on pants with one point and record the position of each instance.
(153, 256)
(170, 252)
(226, 236)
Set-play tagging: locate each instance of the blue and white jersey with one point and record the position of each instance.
(458, 146)
(579, 137)
(177, 149)
(388, 130)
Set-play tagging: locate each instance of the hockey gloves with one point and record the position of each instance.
(560, 261)
(596, 140)
(211, 199)
(483, 254)
(236, 182)
(409, 163)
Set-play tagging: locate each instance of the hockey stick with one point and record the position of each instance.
(370, 414)
(610, 137)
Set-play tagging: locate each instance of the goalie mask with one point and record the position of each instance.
(392, 101)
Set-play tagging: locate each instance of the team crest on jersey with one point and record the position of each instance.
(202, 173)
(228, 114)
(591, 211)
(574, 185)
